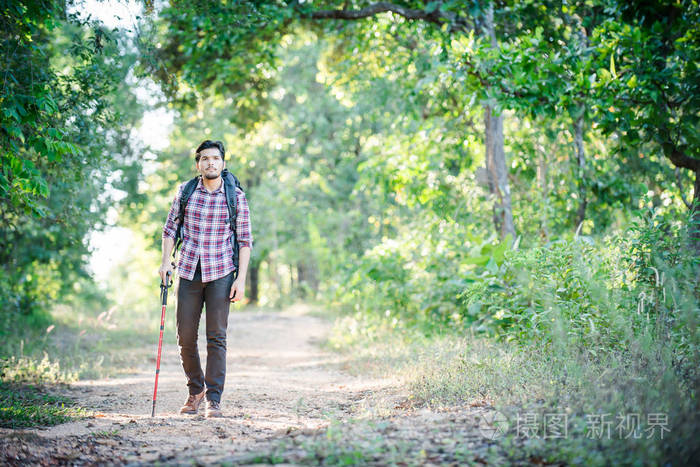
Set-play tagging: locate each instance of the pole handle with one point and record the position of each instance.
(168, 280)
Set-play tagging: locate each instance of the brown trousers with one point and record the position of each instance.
(191, 298)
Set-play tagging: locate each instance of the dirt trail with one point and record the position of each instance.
(279, 383)
(282, 392)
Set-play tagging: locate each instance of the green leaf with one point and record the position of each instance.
(15, 132)
(43, 188)
(612, 66)
(477, 260)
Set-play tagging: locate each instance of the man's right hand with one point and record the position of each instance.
(163, 271)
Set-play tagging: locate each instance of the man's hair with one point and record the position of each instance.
(210, 144)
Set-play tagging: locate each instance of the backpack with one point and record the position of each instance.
(230, 185)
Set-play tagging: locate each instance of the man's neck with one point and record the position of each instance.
(211, 185)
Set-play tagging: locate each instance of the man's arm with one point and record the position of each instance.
(165, 263)
(169, 230)
(245, 241)
(238, 287)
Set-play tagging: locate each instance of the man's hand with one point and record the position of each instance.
(163, 271)
(237, 289)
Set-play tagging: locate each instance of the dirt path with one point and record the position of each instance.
(279, 382)
(281, 389)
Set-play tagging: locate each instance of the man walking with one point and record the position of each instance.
(207, 270)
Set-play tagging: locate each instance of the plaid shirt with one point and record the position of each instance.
(206, 235)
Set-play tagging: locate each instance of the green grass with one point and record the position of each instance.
(26, 405)
(579, 327)
(107, 433)
(351, 443)
(453, 371)
(38, 352)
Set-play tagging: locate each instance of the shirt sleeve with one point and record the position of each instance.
(243, 230)
(170, 227)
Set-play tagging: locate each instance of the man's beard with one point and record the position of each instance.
(212, 176)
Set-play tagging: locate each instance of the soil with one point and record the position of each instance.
(280, 386)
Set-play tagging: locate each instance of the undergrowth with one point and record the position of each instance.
(27, 405)
(599, 332)
(80, 338)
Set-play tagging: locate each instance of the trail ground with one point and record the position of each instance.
(286, 400)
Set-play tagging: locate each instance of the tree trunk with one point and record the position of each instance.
(695, 217)
(496, 167)
(253, 273)
(291, 279)
(273, 275)
(682, 160)
(580, 171)
(301, 279)
(313, 276)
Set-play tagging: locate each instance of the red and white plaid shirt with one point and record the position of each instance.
(206, 235)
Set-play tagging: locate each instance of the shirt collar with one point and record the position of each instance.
(200, 186)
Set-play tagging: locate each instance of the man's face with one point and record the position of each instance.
(210, 163)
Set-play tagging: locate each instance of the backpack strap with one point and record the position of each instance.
(187, 191)
(231, 183)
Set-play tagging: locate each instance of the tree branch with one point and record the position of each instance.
(679, 182)
(681, 159)
(380, 7)
(436, 16)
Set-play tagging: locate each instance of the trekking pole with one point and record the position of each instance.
(164, 299)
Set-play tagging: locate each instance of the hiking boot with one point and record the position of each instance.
(213, 409)
(192, 404)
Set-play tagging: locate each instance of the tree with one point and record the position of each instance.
(211, 33)
(66, 114)
(650, 93)
(634, 66)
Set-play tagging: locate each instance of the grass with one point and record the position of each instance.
(594, 333)
(28, 395)
(79, 340)
(378, 442)
(637, 391)
(107, 433)
(613, 406)
(26, 405)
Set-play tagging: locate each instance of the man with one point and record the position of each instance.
(206, 271)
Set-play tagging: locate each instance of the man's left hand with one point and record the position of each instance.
(237, 290)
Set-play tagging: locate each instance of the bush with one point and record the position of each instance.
(606, 326)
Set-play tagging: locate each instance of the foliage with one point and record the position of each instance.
(597, 296)
(65, 122)
(23, 406)
(387, 107)
(197, 51)
(585, 327)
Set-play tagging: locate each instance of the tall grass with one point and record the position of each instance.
(86, 335)
(600, 330)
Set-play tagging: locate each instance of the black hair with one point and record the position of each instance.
(210, 144)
